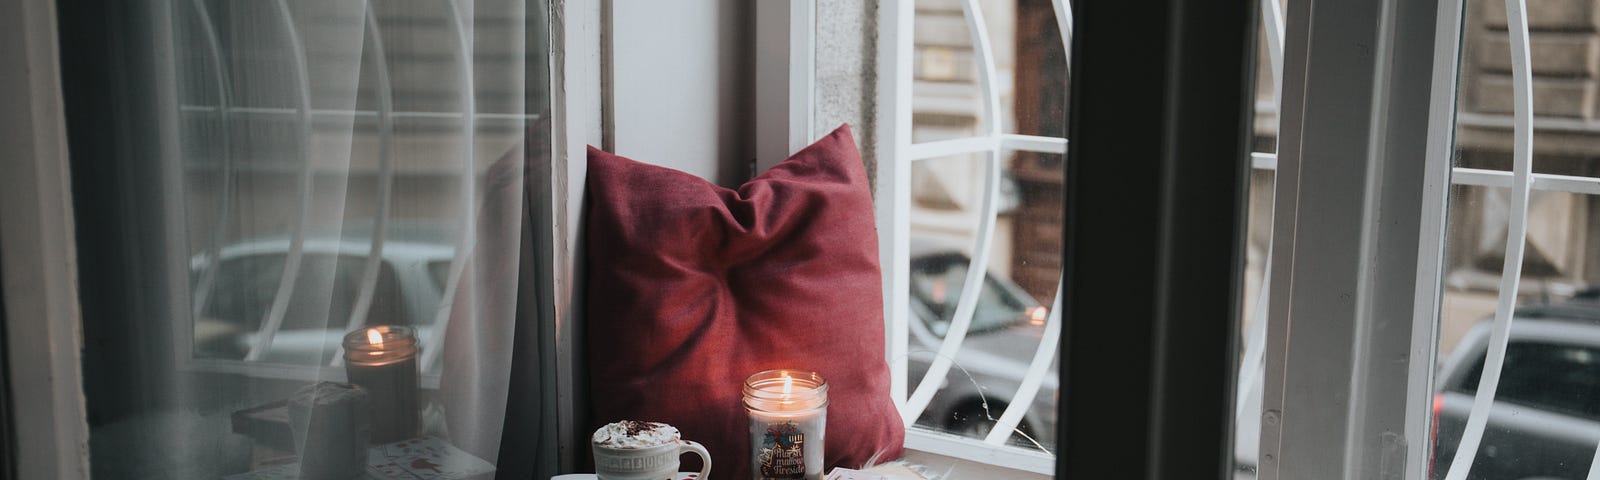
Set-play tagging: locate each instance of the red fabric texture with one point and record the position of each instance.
(693, 287)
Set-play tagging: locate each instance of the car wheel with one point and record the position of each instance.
(971, 420)
(976, 429)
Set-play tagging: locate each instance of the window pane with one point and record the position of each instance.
(994, 80)
(1008, 318)
(1030, 68)
(936, 285)
(289, 172)
(1554, 377)
(1542, 422)
(228, 326)
(1258, 247)
(946, 96)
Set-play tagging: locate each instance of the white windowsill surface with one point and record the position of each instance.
(944, 467)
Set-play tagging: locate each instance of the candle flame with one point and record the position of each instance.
(1037, 315)
(375, 338)
(788, 384)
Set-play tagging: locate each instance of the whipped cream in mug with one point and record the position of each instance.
(634, 450)
(635, 434)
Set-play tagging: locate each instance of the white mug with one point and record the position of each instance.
(659, 462)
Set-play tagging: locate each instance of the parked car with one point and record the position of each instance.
(1545, 422)
(411, 278)
(1006, 328)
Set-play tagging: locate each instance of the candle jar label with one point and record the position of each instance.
(783, 452)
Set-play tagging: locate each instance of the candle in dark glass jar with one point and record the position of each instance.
(383, 360)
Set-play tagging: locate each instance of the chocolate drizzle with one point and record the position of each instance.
(635, 427)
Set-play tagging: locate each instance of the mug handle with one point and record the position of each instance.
(688, 446)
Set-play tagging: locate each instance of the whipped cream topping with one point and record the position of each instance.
(635, 434)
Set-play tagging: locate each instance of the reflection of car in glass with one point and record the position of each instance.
(1006, 328)
(410, 282)
(1545, 422)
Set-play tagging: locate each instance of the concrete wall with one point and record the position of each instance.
(846, 71)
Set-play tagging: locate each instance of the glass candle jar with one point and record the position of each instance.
(788, 412)
(383, 360)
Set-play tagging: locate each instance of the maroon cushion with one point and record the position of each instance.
(693, 287)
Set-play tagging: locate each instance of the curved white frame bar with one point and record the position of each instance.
(432, 346)
(1031, 381)
(291, 267)
(1064, 25)
(1046, 352)
(994, 142)
(1272, 18)
(978, 269)
(1516, 234)
(208, 276)
(1594, 465)
(370, 270)
(1253, 365)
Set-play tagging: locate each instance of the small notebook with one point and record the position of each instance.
(591, 476)
(848, 474)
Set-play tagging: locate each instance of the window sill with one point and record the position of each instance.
(943, 467)
(968, 458)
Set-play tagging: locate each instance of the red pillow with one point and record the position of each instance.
(693, 287)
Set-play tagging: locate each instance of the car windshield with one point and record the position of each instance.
(937, 282)
(1556, 377)
(324, 298)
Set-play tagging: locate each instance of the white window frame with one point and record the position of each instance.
(1522, 182)
(1369, 91)
(576, 76)
(1390, 269)
(896, 151)
(1409, 287)
(895, 154)
(1349, 394)
(38, 260)
(785, 113)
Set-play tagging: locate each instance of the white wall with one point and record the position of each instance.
(680, 92)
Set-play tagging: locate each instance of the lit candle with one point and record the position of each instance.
(383, 360)
(788, 412)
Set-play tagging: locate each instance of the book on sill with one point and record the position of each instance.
(880, 472)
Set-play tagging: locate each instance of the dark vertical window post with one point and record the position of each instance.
(1156, 180)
